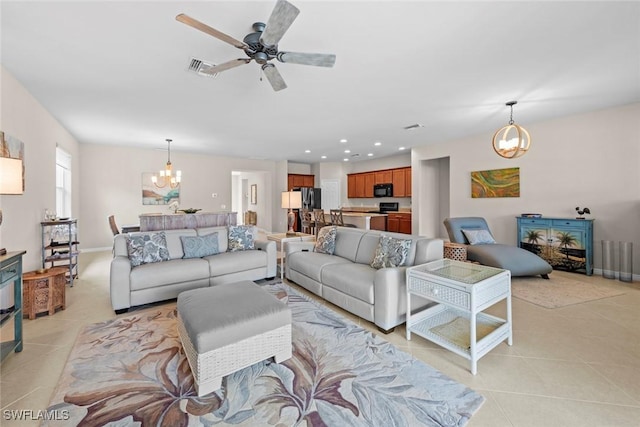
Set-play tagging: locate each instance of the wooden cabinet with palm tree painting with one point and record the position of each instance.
(566, 244)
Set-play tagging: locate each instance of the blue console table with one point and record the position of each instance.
(565, 243)
(11, 274)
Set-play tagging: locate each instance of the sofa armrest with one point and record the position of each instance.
(390, 296)
(291, 247)
(269, 247)
(428, 250)
(119, 282)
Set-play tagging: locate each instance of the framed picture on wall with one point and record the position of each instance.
(254, 194)
(152, 195)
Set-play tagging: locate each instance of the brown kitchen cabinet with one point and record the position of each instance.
(384, 177)
(351, 186)
(399, 183)
(399, 222)
(295, 180)
(360, 185)
(369, 181)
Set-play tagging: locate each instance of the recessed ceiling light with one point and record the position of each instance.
(370, 154)
(400, 148)
(378, 143)
(307, 151)
(323, 157)
(347, 151)
(343, 141)
(346, 160)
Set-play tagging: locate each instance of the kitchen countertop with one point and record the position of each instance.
(361, 214)
(368, 209)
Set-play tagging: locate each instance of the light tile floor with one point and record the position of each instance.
(572, 366)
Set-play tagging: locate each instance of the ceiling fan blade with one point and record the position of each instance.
(226, 65)
(274, 77)
(317, 59)
(211, 31)
(282, 16)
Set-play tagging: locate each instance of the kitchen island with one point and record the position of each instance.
(366, 220)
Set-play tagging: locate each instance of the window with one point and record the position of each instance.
(63, 183)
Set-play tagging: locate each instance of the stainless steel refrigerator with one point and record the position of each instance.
(311, 199)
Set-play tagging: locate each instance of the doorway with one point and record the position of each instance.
(434, 196)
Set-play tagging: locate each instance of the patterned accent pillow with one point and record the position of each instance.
(478, 237)
(326, 241)
(147, 248)
(200, 246)
(241, 238)
(391, 252)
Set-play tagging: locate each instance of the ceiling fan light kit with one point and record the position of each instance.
(517, 145)
(261, 46)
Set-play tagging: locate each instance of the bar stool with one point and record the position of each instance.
(337, 219)
(306, 225)
(320, 221)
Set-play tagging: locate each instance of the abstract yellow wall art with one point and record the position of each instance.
(495, 183)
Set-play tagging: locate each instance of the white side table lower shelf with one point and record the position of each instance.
(457, 323)
(451, 329)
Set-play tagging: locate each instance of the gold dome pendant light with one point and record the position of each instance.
(517, 145)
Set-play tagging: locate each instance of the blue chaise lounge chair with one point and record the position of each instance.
(474, 232)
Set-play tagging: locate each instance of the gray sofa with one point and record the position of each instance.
(347, 280)
(158, 281)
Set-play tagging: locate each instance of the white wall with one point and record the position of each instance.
(23, 117)
(588, 160)
(112, 177)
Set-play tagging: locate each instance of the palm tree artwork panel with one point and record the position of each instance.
(563, 249)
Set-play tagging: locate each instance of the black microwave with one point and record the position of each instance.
(383, 190)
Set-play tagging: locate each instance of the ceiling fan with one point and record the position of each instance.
(262, 45)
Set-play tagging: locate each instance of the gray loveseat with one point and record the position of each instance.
(347, 279)
(158, 281)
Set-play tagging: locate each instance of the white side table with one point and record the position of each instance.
(282, 238)
(463, 290)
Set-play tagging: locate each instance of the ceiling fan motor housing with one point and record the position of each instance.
(257, 51)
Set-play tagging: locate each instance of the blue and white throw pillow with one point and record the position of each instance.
(391, 252)
(241, 238)
(326, 241)
(147, 248)
(478, 237)
(200, 246)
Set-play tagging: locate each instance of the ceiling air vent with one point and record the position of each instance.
(201, 68)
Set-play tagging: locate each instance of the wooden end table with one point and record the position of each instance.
(44, 292)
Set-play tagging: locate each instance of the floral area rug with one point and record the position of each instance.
(560, 291)
(133, 371)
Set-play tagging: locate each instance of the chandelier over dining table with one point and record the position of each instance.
(166, 177)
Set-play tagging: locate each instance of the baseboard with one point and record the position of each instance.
(598, 272)
(106, 248)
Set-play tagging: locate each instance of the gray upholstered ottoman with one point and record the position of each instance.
(228, 327)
